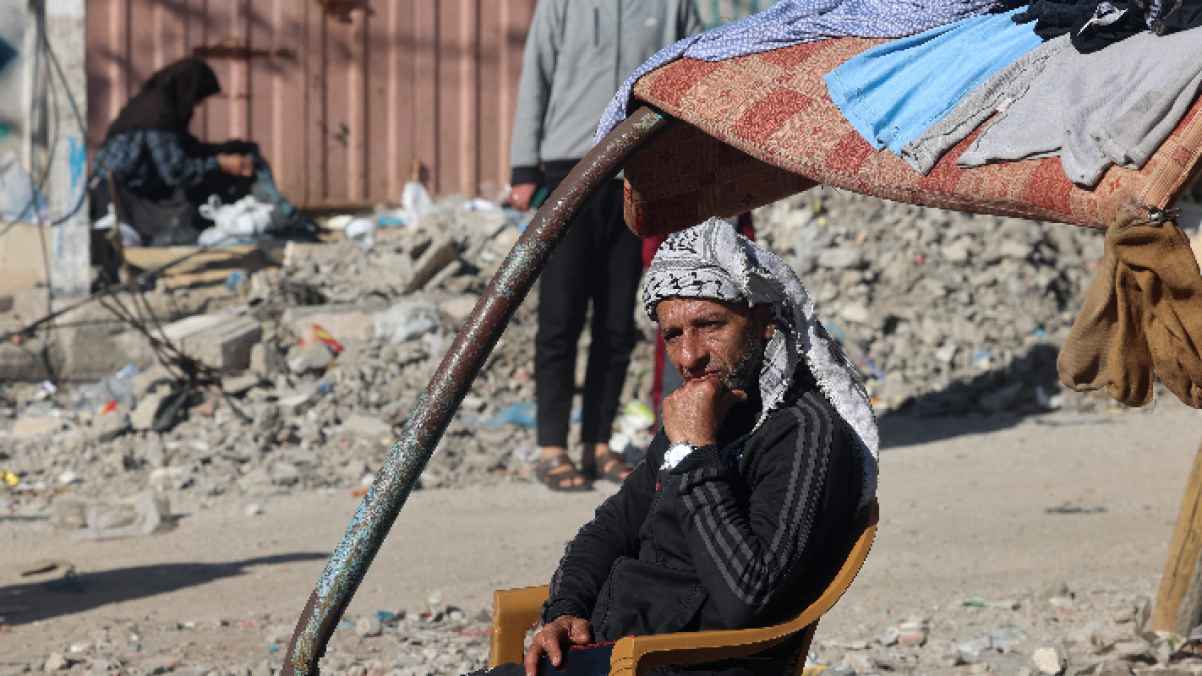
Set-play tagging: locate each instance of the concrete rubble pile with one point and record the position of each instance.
(944, 312)
(1057, 631)
(1102, 632)
(324, 357)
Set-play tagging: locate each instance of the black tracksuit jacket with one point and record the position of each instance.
(733, 537)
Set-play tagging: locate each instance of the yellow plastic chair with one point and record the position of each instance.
(517, 610)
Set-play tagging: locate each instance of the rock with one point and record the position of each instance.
(367, 427)
(441, 253)
(842, 258)
(221, 341)
(458, 308)
(311, 357)
(283, 473)
(1111, 668)
(971, 652)
(912, 633)
(144, 413)
(31, 427)
(406, 320)
(144, 514)
(108, 426)
(239, 385)
(56, 662)
(1049, 660)
(253, 509)
(368, 626)
(888, 637)
(956, 252)
(1133, 651)
(171, 478)
(343, 321)
(856, 313)
(68, 514)
(859, 663)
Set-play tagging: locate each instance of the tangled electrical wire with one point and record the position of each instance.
(188, 373)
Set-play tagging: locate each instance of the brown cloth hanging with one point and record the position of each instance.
(1142, 315)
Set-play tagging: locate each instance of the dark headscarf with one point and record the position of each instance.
(168, 98)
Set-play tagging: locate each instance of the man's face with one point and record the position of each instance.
(713, 339)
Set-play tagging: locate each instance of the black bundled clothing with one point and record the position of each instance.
(1177, 15)
(168, 99)
(598, 261)
(735, 536)
(1091, 25)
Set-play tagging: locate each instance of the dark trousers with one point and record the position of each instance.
(597, 262)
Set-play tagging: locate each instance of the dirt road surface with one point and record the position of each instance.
(964, 513)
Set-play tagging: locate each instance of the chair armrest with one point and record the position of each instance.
(639, 654)
(514, 611)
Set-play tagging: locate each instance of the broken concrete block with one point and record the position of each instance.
(367, 427)
(441, 253)
(342, 322)
(29, 427)
(406, 320)
(108, 426)
(220, 341)
(311, 357)
(458, 308)
(143, 414)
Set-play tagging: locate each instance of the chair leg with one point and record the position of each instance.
(803, 650)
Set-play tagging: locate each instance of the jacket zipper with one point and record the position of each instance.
(618, 49)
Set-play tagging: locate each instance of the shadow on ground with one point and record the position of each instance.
(992, 401)
(80, 592)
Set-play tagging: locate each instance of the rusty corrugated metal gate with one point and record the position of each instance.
(342, 95)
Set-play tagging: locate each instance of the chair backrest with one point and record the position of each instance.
(639, 654)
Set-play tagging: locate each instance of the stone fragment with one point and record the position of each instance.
(458, 308)
(841, 258)
(441, 253)
(56, 662)
(32, 427)
(142, 417)
(220, 341)
(108, 426)
(1049, 660)
(344, 322)
(311, 357)
(368, 626)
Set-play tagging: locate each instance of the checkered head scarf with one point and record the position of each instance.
(713, 261)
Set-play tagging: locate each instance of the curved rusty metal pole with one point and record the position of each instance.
(409, 455)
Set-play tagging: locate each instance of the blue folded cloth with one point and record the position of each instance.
(893, 92)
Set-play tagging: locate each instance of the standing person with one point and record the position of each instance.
(577, 54)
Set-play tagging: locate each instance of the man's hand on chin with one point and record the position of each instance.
(553, 636)
(695, 411)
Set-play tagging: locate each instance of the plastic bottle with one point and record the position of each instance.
(415, 201)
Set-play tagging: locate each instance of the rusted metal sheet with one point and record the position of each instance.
(342, 95)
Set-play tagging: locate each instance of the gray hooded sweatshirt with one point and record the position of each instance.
(578, 52)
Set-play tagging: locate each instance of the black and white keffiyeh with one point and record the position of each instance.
(711, 260)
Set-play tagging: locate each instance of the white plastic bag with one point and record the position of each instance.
(246, 218)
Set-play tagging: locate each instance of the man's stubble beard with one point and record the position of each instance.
(745, 375)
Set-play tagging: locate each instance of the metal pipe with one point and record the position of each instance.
(425, 426)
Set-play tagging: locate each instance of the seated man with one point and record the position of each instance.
(744, 507)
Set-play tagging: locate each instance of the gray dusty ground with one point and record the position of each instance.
(963, 504)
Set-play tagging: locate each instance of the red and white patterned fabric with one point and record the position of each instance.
(761, 127)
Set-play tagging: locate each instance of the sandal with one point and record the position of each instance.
(559, 474)
(612, 469)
